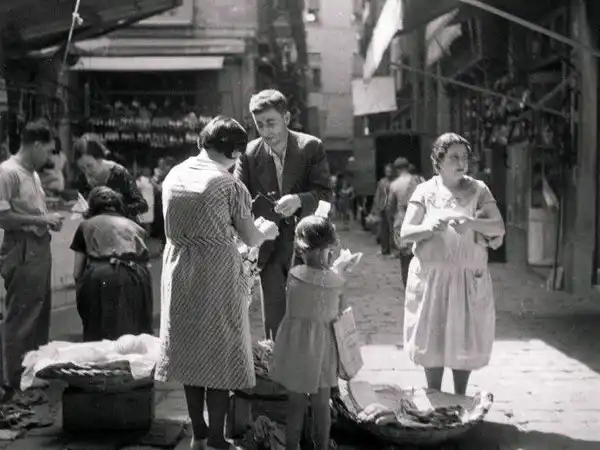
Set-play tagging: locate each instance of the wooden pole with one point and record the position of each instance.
(482, 90)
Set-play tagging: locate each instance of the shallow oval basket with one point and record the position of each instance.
(356, 395)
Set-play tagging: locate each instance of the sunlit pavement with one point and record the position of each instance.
(544, 374)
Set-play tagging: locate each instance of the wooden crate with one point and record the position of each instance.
(118, 411)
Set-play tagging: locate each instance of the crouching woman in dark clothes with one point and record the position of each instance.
(114, 287)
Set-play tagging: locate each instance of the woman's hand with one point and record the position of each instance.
(437, 225)
(461, 225)
(268, 228)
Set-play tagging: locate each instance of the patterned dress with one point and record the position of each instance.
(204, 328)
(449, 314)
(305, 356)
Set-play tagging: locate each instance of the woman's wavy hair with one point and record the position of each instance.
(102, 200)
(90, 144)
(223, 135)
(442, 144)
(314, 233)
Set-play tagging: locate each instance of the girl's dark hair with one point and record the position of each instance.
(442, 144)
(90, 144)
(224, 135)
(103, 200)
(314, 233)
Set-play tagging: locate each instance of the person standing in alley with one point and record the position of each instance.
(378, 210)
(449, 313)
(287, 174)
(25, 254)
(399, 193)
(205, 340)
(345, 200)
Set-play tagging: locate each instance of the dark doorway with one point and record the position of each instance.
(392, 146)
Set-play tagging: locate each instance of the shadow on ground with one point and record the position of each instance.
(574, 335)
(496, 436)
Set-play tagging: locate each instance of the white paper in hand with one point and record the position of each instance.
(323, 209)
(346, 262)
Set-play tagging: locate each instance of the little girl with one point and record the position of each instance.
(305, 359)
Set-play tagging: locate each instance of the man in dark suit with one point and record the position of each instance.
(287, 174)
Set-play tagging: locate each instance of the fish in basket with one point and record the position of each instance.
(409, 416)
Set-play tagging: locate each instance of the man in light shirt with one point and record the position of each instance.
(287, 174)
(25, 257)
(54, 174)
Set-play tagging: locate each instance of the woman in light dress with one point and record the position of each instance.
(449, 318)
(204, 323)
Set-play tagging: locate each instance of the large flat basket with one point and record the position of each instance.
(347, 408)
(113, 376)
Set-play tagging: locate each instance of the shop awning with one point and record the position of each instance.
(36, 24)
(147, 63)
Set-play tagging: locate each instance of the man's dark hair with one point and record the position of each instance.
(224, 135)
(268, 99)
(401, 163)
(38, 130)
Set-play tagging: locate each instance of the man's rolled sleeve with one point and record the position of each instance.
(8, 189)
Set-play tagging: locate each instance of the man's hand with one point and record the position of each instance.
(288, 205)
(54, 221)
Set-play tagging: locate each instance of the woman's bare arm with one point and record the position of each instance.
(413, 229)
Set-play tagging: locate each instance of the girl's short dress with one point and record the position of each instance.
(305, 357)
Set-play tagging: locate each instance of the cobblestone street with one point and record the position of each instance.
(544, 374)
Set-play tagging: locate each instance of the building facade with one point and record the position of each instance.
(517, 95)
(331, 38)
(143, 87)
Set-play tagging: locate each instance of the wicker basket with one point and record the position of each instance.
(110, 377)
(347, 410)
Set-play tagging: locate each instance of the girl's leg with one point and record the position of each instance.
(297, 404)
(217, 401)
(194, 397)
(461, 381)
(434, 377)
(322, 417)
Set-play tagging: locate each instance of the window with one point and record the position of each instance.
(316, 78)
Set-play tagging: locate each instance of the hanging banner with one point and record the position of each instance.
(375, 96)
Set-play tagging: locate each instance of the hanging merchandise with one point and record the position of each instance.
(156, 132)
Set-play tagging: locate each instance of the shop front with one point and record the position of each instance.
(34, 37)
(144, 115)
